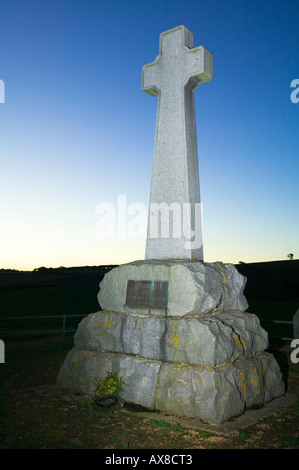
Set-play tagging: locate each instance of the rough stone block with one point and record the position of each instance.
(212, 394)
(82, 368)
(194, 287)
(204, 393)
(140, 377)
(109, 331)
(218, 394)
(205, 340)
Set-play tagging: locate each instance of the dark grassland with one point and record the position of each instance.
(33, 415)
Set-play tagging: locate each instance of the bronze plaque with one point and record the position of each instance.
(149, 294)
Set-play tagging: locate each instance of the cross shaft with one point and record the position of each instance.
(173, 77)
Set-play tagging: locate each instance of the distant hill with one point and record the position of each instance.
(272, 280)
(58, 277)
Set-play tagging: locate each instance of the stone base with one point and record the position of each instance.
(211, 394)
(194, 353)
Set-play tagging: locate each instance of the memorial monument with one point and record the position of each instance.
(172, 326)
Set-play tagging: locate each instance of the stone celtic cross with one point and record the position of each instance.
(174, 225)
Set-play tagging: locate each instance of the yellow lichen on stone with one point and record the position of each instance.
(106, 324)
(255, 378)
(182, 366)
(264, 370)
(79, 359)
(176, 340)
(237, 341)
(243, 383)
(222, 272)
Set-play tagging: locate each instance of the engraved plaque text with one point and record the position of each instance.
(149, 294)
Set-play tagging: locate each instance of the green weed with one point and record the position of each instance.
(205, 434)
(289, 440)
(113, 441)
(244, 434)
(174, 445)
(160, 423)
(279, 424)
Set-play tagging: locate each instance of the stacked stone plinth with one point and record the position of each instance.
(209, 362)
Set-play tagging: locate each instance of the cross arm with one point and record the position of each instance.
(149, 79)
(200, 66)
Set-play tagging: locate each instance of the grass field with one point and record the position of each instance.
(34, 416)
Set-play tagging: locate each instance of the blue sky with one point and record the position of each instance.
(76, 130)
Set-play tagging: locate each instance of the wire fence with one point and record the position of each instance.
(34, 331)
(286, 322)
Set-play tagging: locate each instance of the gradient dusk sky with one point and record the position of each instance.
(76, 129)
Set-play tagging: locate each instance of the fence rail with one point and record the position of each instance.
(62, 331)
(288, 322)
(64, 317)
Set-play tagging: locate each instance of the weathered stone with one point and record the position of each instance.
(109, 332)
(140, 377)
(218, 394)
(194, 286)
(82, 368)
(212, 394)
(206, 340)
(204, 393)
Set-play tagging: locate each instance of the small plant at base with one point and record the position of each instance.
(111, 385)
(106, 401)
